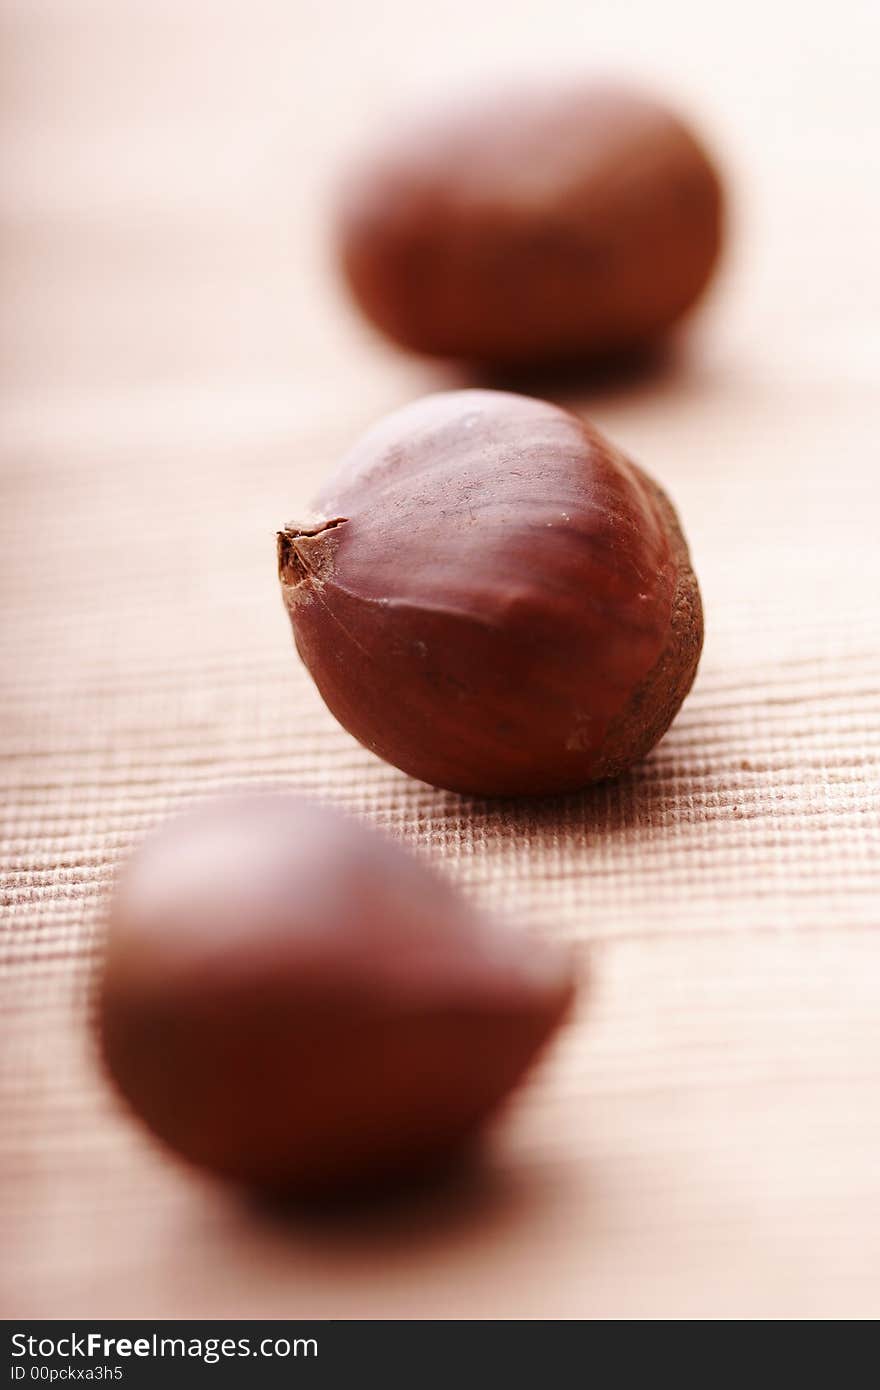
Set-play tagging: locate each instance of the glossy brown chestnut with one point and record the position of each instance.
(493, 598)
(292, 1001)
(580, 221)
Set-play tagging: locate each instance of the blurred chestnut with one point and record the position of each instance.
(294, 1002)
(578, 221)
(492, 598)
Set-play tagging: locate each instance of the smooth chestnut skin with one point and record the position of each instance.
(493, 598)
(531, 226)
(294, 1002)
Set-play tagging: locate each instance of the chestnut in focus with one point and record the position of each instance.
(493, 598)
(292, 1001)
(535, 225)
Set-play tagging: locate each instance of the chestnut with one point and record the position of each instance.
(578, 221)
(493, 598)
(292, 1001)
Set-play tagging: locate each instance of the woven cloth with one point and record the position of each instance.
(179, 371)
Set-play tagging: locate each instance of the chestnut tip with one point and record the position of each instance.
(302, 553)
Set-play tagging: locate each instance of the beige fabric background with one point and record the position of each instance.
(178, 370)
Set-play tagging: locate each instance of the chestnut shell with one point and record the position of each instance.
(531, 225)
(291, 1001)
(493, 598)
